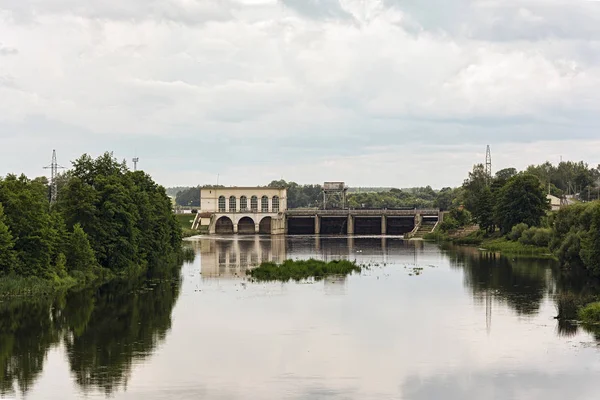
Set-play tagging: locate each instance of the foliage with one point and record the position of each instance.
(126, 216)
(521, 199)
(590, 314)
(188, 197)
(106, 216)
(566, 177)
(8, 257)
(302, 269)
(535, 237)
(80, 255)
(576, 236)
(517, 231)
(300, 196)
(455, 219)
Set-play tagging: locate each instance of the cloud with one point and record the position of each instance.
(8, 51)
(289, 81)
(319, 9)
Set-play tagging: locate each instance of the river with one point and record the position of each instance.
(420, 322)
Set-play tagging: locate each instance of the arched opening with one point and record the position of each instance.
(254, 203)
(224, 225)
(264, 204)
(221, 203)
(246, 226)
(243, 204)
(265, 226)
(275, 205)
(232, 204)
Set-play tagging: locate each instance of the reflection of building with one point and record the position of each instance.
(234, 256)
(247, 210)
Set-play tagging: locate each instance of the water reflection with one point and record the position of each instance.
(386, 333)
(104, 333)
(27, 331)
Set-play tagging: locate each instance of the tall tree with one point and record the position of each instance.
(8, 256)
(522, 199)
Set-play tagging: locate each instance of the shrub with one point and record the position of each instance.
(542, 237)
(590, 314)
(517, 231)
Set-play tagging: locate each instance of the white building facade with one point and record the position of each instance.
(244, 210)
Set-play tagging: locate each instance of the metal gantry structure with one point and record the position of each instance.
(53, 167)
(334, 195)
(135, 161)
(488, 163)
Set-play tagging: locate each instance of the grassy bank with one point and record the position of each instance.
(506, 246)
(18, 286)
(494, 242)
(302, 269)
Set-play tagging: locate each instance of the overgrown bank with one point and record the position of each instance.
(107, 222)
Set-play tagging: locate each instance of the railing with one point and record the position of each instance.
(362, 212)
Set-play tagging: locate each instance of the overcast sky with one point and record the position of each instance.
(372, 92)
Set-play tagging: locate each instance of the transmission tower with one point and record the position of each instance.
(53, 167)
(488, 163)
(135, 161)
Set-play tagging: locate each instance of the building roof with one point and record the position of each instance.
(243, 187)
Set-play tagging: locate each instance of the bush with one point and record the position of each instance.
(533, 236)
(517, 231)
(590, 314)
(542, 237)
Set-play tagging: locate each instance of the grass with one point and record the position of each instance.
(185, 220)
(590, 314)
(18, 286)
(302, 269)
(506, 246)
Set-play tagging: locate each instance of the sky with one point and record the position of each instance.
(371, 92)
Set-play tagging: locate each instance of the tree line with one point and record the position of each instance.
(107, 221)
(516, 206)
(310, 195)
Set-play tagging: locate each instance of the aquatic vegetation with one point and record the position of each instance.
(302, 269)
(590, 314)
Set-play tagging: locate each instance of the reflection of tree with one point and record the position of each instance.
(521, 283)
(27, 332)
(104, 332)
(122, 325)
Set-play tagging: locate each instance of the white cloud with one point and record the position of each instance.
(303, 80)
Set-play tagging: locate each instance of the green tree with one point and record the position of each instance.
(522, 199)
(7, 253)
(27, 215)
(485, 210)
(80, 255)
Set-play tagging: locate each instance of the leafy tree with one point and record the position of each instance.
(522, 199)
(485, 210)
(80, 255)
(28, 217)
(188, 197)
(505, 174)
(7, 253)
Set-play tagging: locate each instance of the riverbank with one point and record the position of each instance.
(494, 242)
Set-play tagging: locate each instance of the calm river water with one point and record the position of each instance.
(423, 322)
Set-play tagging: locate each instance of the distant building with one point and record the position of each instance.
(555, 202)
(242, 209)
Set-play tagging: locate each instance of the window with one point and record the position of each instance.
(232, 204)
(221, 203)
(264, 204)
(254, 203)
(243, 203)
(275, 205)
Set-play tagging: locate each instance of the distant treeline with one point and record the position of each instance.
(107, 221)
(302, 196)
(514, 206)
